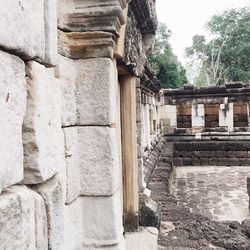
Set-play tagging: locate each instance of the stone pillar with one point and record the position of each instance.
(147, 121)
(129, 152)
(226, 116)
(198, 117)
(140, 136)
(90, 121)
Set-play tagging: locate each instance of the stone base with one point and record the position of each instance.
(145, 239)
(131, 222)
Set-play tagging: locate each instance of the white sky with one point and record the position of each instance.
(186, 18)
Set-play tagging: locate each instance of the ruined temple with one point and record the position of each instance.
(89, 142)
(76, 90)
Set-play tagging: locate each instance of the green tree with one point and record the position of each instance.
(168, 70)
(227, 54)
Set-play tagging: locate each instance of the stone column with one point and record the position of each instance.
(147, 121)
(90, 120)
(129, 152)
(198, 120)
(226, 116)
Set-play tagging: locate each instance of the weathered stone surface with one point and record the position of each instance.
(73, 226)
(41, 226)
(102, 220)
(145, 239)
(72, 158)
(75, 222)
(52, 193)
(92, 161)
(36, 28)
(80, 45)
(149, 212)
(22, 219)
(198, 115)
(50, 19)
(30, 41)
(81, 81)
(91, 15)
(42, 133)
(12, 111)
(133, 55)
(246, 226)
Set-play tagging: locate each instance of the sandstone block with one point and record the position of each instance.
(221, 154)
(93, 222)
(22, 219)
(234, 162)
(12, 111)
(91, 15)
(102, 220)
(187, 161)
(36, 29)
(92, 154)
(178, 162)
(244, 162)
(30, 41)
(223, 162)
(212, 161)
(88, 91)
(204, 161)
(50, 22)
(196, 162)
(73, 225)
(42, 133)
(80, 45)
(241, 154)
(52, 193)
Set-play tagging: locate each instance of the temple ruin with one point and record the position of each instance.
(89, 140)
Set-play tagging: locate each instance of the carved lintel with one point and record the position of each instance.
(80, 45)
(94, 15)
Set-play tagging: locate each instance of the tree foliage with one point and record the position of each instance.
(163, 61)
(227, 55)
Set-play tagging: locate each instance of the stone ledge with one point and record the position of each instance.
(91, 15)
(81, 45)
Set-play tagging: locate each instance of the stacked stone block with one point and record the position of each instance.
(212, 115)
(184, 116)
(31, 147)
(90, 112)
(240, 114)
(221, 153)
(60, 165)
(60, 147)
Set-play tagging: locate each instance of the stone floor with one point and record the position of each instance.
(216, 192)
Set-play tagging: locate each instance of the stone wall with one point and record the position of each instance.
(61, 133)
(216, 108)
(212, 153)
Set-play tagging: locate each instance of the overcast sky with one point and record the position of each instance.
(187, 18)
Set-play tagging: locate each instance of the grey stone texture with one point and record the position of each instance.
(88, 88)
(42, 133)
(92, 164)
(36, 27)
(12, 111)
(52, 193)
(211, 153)
(23, 219)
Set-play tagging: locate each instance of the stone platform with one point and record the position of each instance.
(218, 193)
